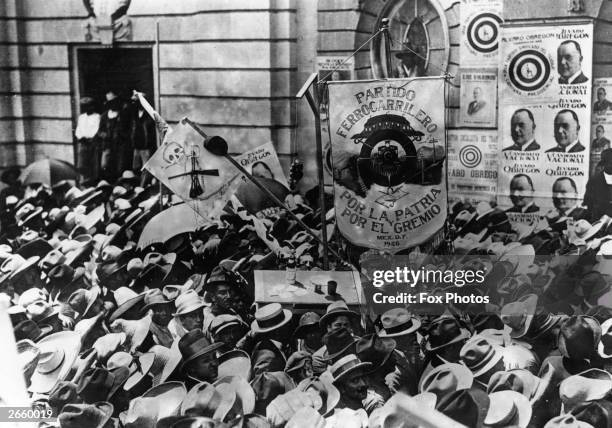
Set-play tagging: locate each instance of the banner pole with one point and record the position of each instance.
(314, 106)
(261, 187)
(384, 29)
(158, 102)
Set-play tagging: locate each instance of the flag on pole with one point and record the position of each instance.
(201, 179)
(162, 126)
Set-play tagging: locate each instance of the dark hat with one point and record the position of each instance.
(445, 331)
(375, 350)
(597, 413)
(63, 393)
(336, 309)
(63, 281)
(194, 344)
(128, 304)
(12, 172)
(592, 284)
(462, 406)
(155, 297)
(223, 321)
(96, 415)
(30, 330)
(600, 313)
(82, 300)
(308, 320)
(579, 336)
(219, 275)
(269, 385)
(339, 342)
(266, 357)
(38, 247)
(99, 384)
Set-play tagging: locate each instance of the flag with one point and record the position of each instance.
(203, 180)
(162, 126)
(389, 155)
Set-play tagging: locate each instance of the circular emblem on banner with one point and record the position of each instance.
(470, 156)
(483, 32)
(529, 70)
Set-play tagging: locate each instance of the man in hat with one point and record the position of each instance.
(161, 314)
(143, 136)
(308, 333)
(200, 361)
(228, 329)
(337, 316)
(221, 288)
(88, 125)
(189, 314)
(349, 377)
(598, 194)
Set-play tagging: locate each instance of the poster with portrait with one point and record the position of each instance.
(545, 63)
(602, 100)
(540, 144)
(389, 156)
(262, 162)
(472, 165)
(334, 68)
(478, 102)
(480, 32)
(601, 133)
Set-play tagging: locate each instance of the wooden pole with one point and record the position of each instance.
(158, 105)
(384, 29)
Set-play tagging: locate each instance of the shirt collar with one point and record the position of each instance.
(526, 207)
(574, 76)
(524, 146)
(608, 178)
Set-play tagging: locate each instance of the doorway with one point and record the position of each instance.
(120, 70)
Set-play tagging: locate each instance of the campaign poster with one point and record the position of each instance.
(540, 144)
(333, 68)
(480, 32)
(262, 162)
(389, 157)
(478, 102)
(546, 63)
(472, 165)
(600, 140)
(602, 104)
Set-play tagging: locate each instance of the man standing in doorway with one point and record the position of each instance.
(88, 154)
(143, 137)
(113, 135)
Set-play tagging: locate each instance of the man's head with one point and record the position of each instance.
(569, 58)
(521, 190)
(522, 126)
(565, 194)
(601, 94)
(205, 367)
(193, 319)
(477, 93)
(566, 127)
(349, 377)
(599, 131)
(199, 356)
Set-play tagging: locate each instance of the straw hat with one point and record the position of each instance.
(447, 377)
(508, 408)
(347, 365)
(188, 302)
(58, 352)
(270, 317)
(592, 384)
(235, 363)
(398, 322)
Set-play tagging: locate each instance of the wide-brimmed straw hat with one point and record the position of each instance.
(346, 365)
(336, 309)
(58, 352)
(398, 322)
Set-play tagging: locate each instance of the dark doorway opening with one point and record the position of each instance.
(120, 70)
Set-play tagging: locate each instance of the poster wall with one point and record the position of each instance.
(480, 31)
(544, 113)
(389, 157)
(472, 165)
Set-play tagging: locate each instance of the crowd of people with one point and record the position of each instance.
(168, 335)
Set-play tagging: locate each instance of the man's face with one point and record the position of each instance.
(230, 336)
(477, 93)
(566, 129)
(354, 386)
(222, 296)
(204, 367)
(599, 132)
(521, 128)
(313, 338)
(601, 94)
(568, 60)
(339, 322)
(162, 314)
(192, 320)
(564, 195)
(521, 193)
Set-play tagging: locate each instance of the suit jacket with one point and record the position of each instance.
(598, 196)
(475, 107)
(530, 148)
(600, 143)
(580, 79)
(577, 148)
